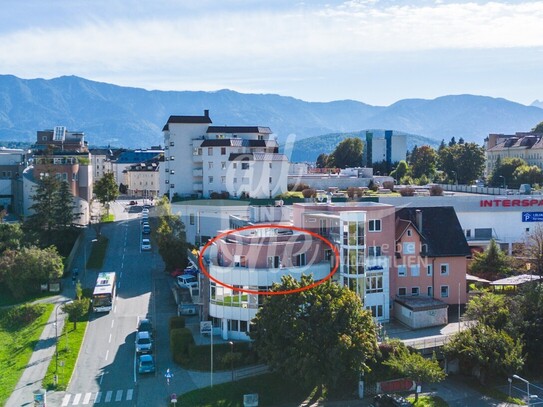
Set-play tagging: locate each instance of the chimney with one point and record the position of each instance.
(418, 217)
(206, 113)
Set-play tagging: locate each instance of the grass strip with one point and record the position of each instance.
(98, 253)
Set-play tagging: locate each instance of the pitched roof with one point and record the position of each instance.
(186, 120)
(239, 129)
(441, 230)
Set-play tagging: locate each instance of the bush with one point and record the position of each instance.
(180, 342)
(22, 315)
(298, 187)
(353, 192)
(309, 193)
(408, 191)
(176, 322)
(388, 185)
(436, 190)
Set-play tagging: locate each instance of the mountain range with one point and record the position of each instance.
(133, 117)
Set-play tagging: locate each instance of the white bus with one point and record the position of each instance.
(104, 292)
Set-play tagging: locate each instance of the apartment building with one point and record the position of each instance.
(142, 179)
(202, 160)
(12, 164)
(525, 145)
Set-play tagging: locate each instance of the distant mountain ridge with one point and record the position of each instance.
(133, 118)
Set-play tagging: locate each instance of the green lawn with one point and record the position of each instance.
(69, 343)
(98, 253)
(16, 347)
(272, 390)
(428, 401)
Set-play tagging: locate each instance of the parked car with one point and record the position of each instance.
(146, 229)
(391, 400)
(188, 280)
(144, 342)
(145, 210)
(145, 244)
(146, 364)
(145, 325)
(132, 203)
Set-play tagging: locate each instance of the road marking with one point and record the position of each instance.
(86, 400)
(77, 397)
(119, 395)
(108, 396)
(129, 394)
(112, 322)
(109, 338)
(66, 400)
(107, 353)
(98, 395)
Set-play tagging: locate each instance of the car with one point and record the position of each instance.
(144, 217)
(146, 364)
(144, 342)
(146, 229)
(145, 210)
(131, 203)
(145, 325)
(188, 280)
(145, 244)
(391, 400)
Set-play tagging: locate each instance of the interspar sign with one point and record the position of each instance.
(508, 203)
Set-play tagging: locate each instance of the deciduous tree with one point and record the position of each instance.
(503, 172)
(488, 309)
(348, 153)
(422, 161)
(171, 238)
(491, 264)
(106, 190)
(317, 337)
(462, 162)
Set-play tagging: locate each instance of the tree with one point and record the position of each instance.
(423, 161)
(533, 248)
(503, 172)
(452, 142)
(491, 264)
(416, 367)
(462, 162)
(526, 174)
(106, 189)
(442, 145)
(348, 153)
(24, 270)
(317, 337)
(538, 128)
(171, 238)
(11, 236)
(64, 206)
(401, 170)
(78, 308)
(322, 161)
(486, 352)
(489, 309)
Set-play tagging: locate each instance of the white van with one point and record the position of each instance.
(188, 280)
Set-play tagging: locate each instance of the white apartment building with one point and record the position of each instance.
(143, 178)
(236, 161)
(527, 146)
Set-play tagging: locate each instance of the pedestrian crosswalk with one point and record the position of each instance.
(92, 398)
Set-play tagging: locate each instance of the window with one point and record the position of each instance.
(376, 311)
(210, 180)
(429, 270)
(402, 270)
(244, 166)
(273, 262)
(223, 150)
(374, 284)
(430, 291)
(409, 248)
(374, 251)
(270, 180)
(234, 165)
(223, 179)
(191, 219)
(223, 165)
(167, 181)
(402, 291)
(409, 232)
(172, 158)
(172, 172)
(172, 143)
(210, 165)
(444, 269)
(235, 180)
(240, 261)
(374, 225)
(415, 291)
(415, 270)
(172, 185)
(468, 233)
(444, 291)
(300, 259)
(270, 165)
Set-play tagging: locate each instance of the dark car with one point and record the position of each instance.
(145, 325)
(390, 400)
(133, 203)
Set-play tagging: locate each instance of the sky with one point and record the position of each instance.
(372, 51)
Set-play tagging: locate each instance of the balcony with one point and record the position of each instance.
(198, 187)
(199, 172)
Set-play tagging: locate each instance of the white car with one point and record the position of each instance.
(188, 280)
(145, 244)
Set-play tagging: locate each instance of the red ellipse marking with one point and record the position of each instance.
(268, 226)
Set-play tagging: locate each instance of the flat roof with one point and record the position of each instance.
(212, 202)
(516, 280)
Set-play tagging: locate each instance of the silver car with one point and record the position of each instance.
(144, 343)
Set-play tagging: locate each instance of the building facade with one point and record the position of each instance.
(143, 179)
(526, 146)
(207, 161)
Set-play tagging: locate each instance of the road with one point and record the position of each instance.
(106, 368)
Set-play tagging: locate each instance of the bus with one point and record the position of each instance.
(104, 292)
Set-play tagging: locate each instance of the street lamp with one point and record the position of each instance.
(455, 177)
(525, 381)
(503, 178)
(232, 358)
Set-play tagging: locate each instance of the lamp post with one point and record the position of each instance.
(232, 358)
(455, 177)
(503, 179)
(56, 343)
(527, 385)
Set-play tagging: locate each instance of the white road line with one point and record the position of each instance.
(129, 393)
(109, 338)
(77, 397)
(108, 396)
(66, 400)
(86, 400)
(119, 395)
(98, 395)
(112, 322)
(107, 353)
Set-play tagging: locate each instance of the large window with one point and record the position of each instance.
(402, 270)
(415, 270)
(409, 248)
(300, 259)
(444, 291)
(273, 262)
(374, 284)
(374, 251)
(444, 269)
